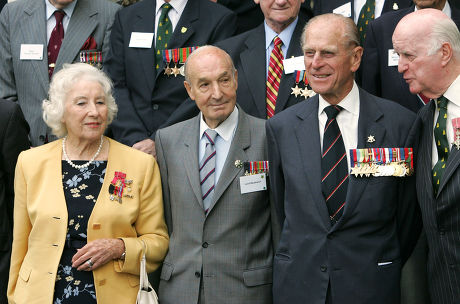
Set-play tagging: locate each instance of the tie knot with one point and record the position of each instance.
(165, 8)
(332, 111)
(59, 15)
(211, 136)
(442, 102)
(277, 41)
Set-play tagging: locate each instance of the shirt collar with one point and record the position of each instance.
(177, 5)
(285, 35)
(453, 92)
(68, 9)
(446, 10)
(225, 129)
(350, 103)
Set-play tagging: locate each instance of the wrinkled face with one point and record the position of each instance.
(329, 64)
(85, 111)
(420, 71)
(60, 4)
(438, 4)
(212, 86)
(279, 13)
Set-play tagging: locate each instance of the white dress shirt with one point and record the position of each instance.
(51, 21)
(359, 5)
(225, 132)
(174, 14)
(453, 111)
(347, 120)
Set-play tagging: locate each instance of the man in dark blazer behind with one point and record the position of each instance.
(146, 96)
(380, 75)
(332, 6)
(14, 132)
(24, 23)
(427, 42)
(344, 238)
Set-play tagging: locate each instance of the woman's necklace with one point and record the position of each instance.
(85, 164)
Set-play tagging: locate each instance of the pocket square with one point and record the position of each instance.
(90, 44)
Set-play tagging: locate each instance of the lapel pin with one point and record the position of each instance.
(370, 139)
(395, 6)
(183, 29)
(456, 127)
(238, 164)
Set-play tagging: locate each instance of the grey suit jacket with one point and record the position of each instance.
(26, 81)
(441, 214)
(230, 249)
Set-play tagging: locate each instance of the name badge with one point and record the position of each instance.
(31, 52)
(344, 10)
(393, 58)
(293, 64)
(141, 40)
(253, 183)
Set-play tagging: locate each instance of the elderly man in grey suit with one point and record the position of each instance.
(37, 38)
(427, 42)
(217, 205)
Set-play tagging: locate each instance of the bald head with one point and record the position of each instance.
(428, 44)
(207, 50)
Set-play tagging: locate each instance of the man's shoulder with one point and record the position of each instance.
(103, 7)
(391, 18)
(236, 42)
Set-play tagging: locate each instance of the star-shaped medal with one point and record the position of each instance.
(370, 139)
(296, 91)
(307, 93)
(175, 71)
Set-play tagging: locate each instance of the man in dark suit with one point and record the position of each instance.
(26, 28)
(345, 237)
(145, 94)
(351, 8)
(379, 68)
(222, 232)
(2, 4)
(427, 42)
(14, 132)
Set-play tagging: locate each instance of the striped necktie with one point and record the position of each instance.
(442, 144)
(334, 169)
(366, 14)
(275, 71)
(164, 32)
(208, 168)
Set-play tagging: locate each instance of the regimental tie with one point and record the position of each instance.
(365, 16)
(275, 71)
(164, 32)
(208, 168)
(334, 169)
(442, 144)
(54, 45)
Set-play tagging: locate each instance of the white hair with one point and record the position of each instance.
(62, 82)
(444, 30)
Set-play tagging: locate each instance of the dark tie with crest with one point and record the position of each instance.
(334, 182)
(164, 32)
(442, 144)
(54, 45)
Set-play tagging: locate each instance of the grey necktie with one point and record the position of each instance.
(208, 168)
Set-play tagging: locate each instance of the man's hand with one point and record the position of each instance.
(147, 145)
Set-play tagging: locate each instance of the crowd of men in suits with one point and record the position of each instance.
(300, 155)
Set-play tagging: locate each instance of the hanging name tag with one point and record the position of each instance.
(344, 10)
(141, 40)
(393, 58)
(293, 64)
(31, 52)
(253, 183)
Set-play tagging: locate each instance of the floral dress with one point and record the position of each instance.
(81, 188)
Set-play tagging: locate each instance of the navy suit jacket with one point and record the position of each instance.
(327, 6)
(147, 97)
(441, 214)
(377, 77)
(380, 223)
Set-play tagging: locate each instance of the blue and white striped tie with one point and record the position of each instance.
(208, 168)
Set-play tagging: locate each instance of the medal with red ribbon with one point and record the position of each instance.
(178, 56)
(256, 167)
(118, 185)
(456, 128)
(301, 76)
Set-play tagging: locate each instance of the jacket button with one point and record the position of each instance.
(323, 268)
(205, 245)
(197, 274)
(155, 107)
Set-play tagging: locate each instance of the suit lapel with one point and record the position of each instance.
(81, 25)
(190, 157)
(310, 150)
(55, 170)
(424, 166)
(253, 65)
(145, 23)
(241, 141)
(369, 114)
(34, 31)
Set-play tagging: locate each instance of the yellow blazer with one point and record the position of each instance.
(40, 224)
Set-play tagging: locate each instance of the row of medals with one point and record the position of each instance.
(174, 70)
(398, 169)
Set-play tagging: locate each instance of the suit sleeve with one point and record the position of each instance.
(370, 65)
(108, 30)
(7, 80)
(127, 127)
(276, 173)
(164, 180)
(150, 225)
(21, 229)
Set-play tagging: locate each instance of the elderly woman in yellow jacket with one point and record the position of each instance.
(86, 207)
